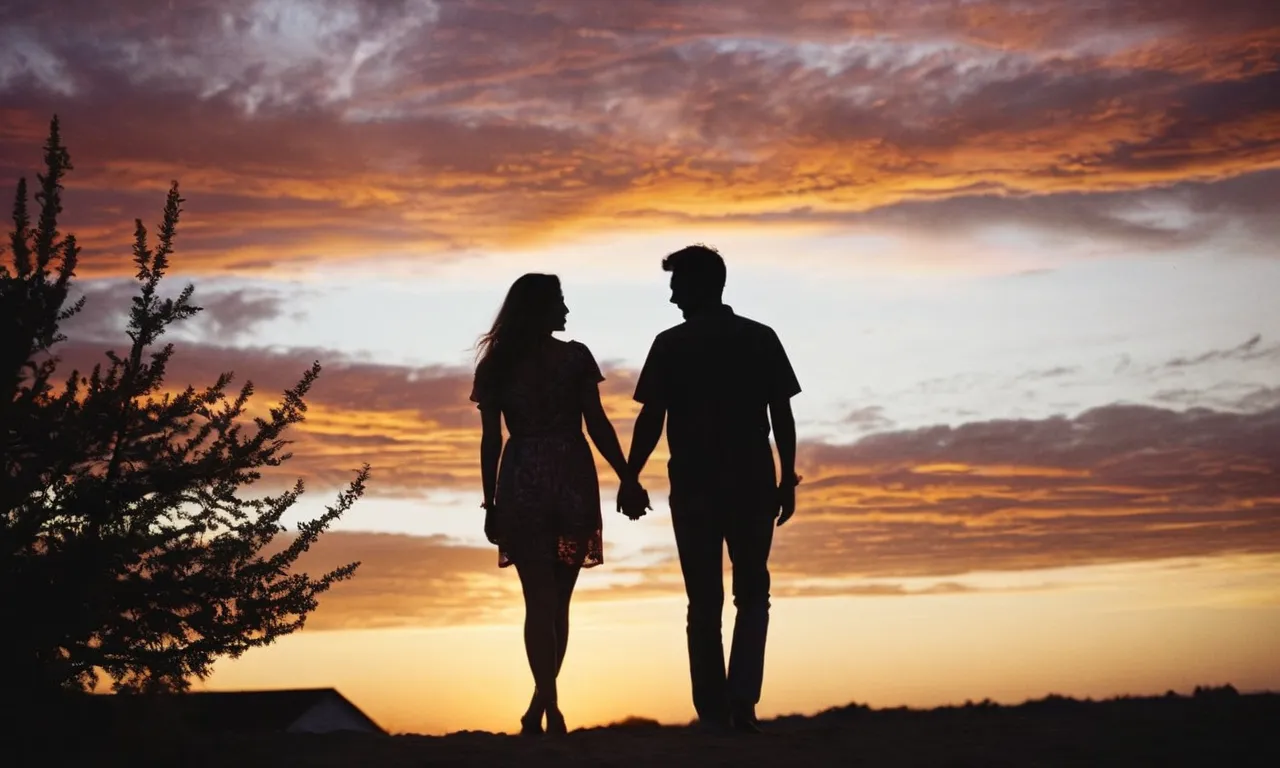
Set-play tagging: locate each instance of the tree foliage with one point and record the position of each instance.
(129, 545)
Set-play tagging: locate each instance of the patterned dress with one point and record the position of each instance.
(548, 495)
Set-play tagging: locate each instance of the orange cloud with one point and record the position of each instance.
(415, 427)
(1113, 484)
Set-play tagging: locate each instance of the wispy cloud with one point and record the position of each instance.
(869, 418)
(1251, 349)
(228, 312)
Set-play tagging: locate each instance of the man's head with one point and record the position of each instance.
(697, 278)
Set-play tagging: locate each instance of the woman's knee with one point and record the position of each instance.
(541, 599)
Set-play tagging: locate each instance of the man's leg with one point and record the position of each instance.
(750, 536)
(700, 542)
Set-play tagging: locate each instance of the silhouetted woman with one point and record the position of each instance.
(542, 508)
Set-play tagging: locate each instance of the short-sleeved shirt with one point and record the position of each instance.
(715, 375)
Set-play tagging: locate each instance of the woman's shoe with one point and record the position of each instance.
(531, 724)
(555, 723)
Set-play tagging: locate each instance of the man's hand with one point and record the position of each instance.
(787, 498)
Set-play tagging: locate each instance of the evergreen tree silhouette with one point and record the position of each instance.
(128, 546)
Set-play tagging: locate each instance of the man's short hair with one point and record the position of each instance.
(700, 262)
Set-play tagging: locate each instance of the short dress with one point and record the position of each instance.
(548, 494)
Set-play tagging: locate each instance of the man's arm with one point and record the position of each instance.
(645, 436)
(784, 434)
(784, 386)
(652, 392)
(784, 431)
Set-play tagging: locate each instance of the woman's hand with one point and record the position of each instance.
(490, 522)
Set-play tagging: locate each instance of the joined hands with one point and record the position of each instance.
(633, 499)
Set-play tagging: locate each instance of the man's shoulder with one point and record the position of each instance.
(753, 326)
(753, 333)
(718, 330)
(673, 333)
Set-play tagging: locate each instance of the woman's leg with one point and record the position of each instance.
(566, 578)
(538, 582)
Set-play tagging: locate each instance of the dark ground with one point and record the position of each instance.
(1212, 728)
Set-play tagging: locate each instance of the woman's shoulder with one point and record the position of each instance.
(579, 353)
(568, 346)
(483, 386)
(578, 350)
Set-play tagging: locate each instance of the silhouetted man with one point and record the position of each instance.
(718, 380)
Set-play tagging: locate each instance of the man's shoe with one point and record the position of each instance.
(743, 720)
(714, 726)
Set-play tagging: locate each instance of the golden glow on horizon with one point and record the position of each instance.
(1094, 632)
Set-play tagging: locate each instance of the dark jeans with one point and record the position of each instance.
(704, 523)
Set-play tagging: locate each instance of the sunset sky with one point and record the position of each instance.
(1024, 257)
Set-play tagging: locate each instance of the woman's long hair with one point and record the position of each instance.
(523, 320)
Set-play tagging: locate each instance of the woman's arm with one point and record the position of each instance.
(604, 436)
(490, 450)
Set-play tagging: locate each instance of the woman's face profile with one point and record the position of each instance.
(560, 313)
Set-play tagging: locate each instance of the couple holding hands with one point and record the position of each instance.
(719, 383)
